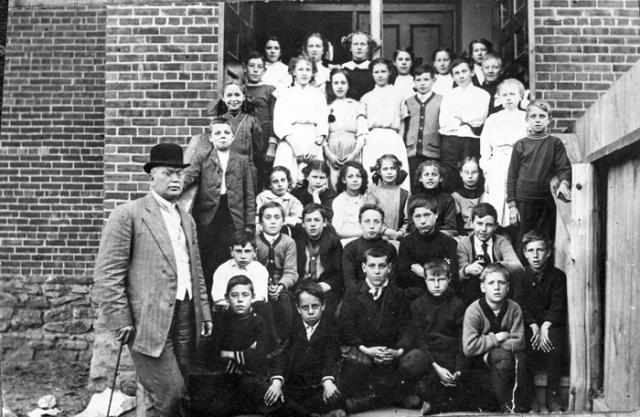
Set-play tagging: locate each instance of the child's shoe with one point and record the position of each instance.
(426, 408)
(411, 402)
(361, 403)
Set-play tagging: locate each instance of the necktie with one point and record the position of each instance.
(485, 253)
(376, 292)
(271, 263)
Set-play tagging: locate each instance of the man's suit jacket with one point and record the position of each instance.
(205, 169)
(306, 362)
(330, 257)
(136, 274)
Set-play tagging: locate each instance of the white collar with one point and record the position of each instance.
(351, 65)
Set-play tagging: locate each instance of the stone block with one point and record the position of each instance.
(73, 327)
(37, 302)
(24, 319)
(6, 313)
(58, 301)
(62, 313)
(7, 299)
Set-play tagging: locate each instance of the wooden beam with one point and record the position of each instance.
(574, 150)
(623, 147)
(583, 289)
(376, 23)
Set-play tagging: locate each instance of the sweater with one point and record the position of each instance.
(533, 163)
(264, 100)
(543, 297)
(384, 322)
(416, 248)
(481, 325)
(232, 332)
(285, 268)
(326, 198)
(436, 329)
(421, 134)
(466, 200)
(353, 258)
(330, 257)
(446, 207)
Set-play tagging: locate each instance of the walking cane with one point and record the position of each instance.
(115, 375)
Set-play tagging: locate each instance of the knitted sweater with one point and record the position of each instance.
(286, 265)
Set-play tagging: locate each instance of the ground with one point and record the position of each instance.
(23, 383)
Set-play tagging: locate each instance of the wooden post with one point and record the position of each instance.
(376, 24)
(583, 289)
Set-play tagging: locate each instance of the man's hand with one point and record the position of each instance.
(374, 352)
(502, 336)
(535, 337)
(207, 328)
(124, 334)
(330, 391)
(446, 377)
(545, 342)
(274, 393)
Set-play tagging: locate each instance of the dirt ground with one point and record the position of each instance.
(24, 383)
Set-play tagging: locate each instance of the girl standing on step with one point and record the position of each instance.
(442, 59)
(316, 48)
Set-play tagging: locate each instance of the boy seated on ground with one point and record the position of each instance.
(244, 348)
(483, 247)
(310, 358)
(493, 338)
(277, 252)
(436, 329)
(371, 218)
(425, 243)
(242, 262)
(373, 323)
(542, 293)
(319, 254)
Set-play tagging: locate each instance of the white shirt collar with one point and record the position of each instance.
(351, 65)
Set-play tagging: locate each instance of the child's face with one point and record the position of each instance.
(484, 227)
(388, 172)
(376, 269)
(255, 70)
(303, 72)
(278, 183)
(462, 74)
(233, 97)
(353, 180)
(371, 223)
(243, 255)
(317, 179)
(314, 48)
(470, 173)
(221, 136)
(359, 48)
(437, 284)
(537, 255)
(495, 287)
(491, 68)
(425, 220)
(510, 96)
(478, 51)
(310, 308)
(240, 298)
(430, 177)
(423, 83)
(272, 51)
(403, 63)
(272, 221)
(380, 74)
(314, 224)
(442, 62)
(538, 120)
(339, 85)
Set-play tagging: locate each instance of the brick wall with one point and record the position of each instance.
(582, 47)
(161, 71)
(51, 178)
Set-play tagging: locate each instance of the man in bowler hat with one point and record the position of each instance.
(149, 283)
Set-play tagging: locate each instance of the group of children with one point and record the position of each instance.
(390, 242)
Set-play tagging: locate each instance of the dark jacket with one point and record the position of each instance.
(384, 322)
(353, 257)
(543, 300)
(306, 362)
(446, 208)
(330, 257)
(436, 329)
(205, 170)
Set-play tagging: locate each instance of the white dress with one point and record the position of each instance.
(299, 117)
(277, 75)
(404, 84)
(500, 132)
(385, 110)
(443, 84)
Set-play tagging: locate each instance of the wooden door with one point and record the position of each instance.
(422, 30)
(622, 288)
(239, 39)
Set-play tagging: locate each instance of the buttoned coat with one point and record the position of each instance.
(205, 171)
(136, 274)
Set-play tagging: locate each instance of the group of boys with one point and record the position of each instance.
(438, 325)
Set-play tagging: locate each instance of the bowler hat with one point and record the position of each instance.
(165, 155)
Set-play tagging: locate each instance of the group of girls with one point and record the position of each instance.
(342, 125)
